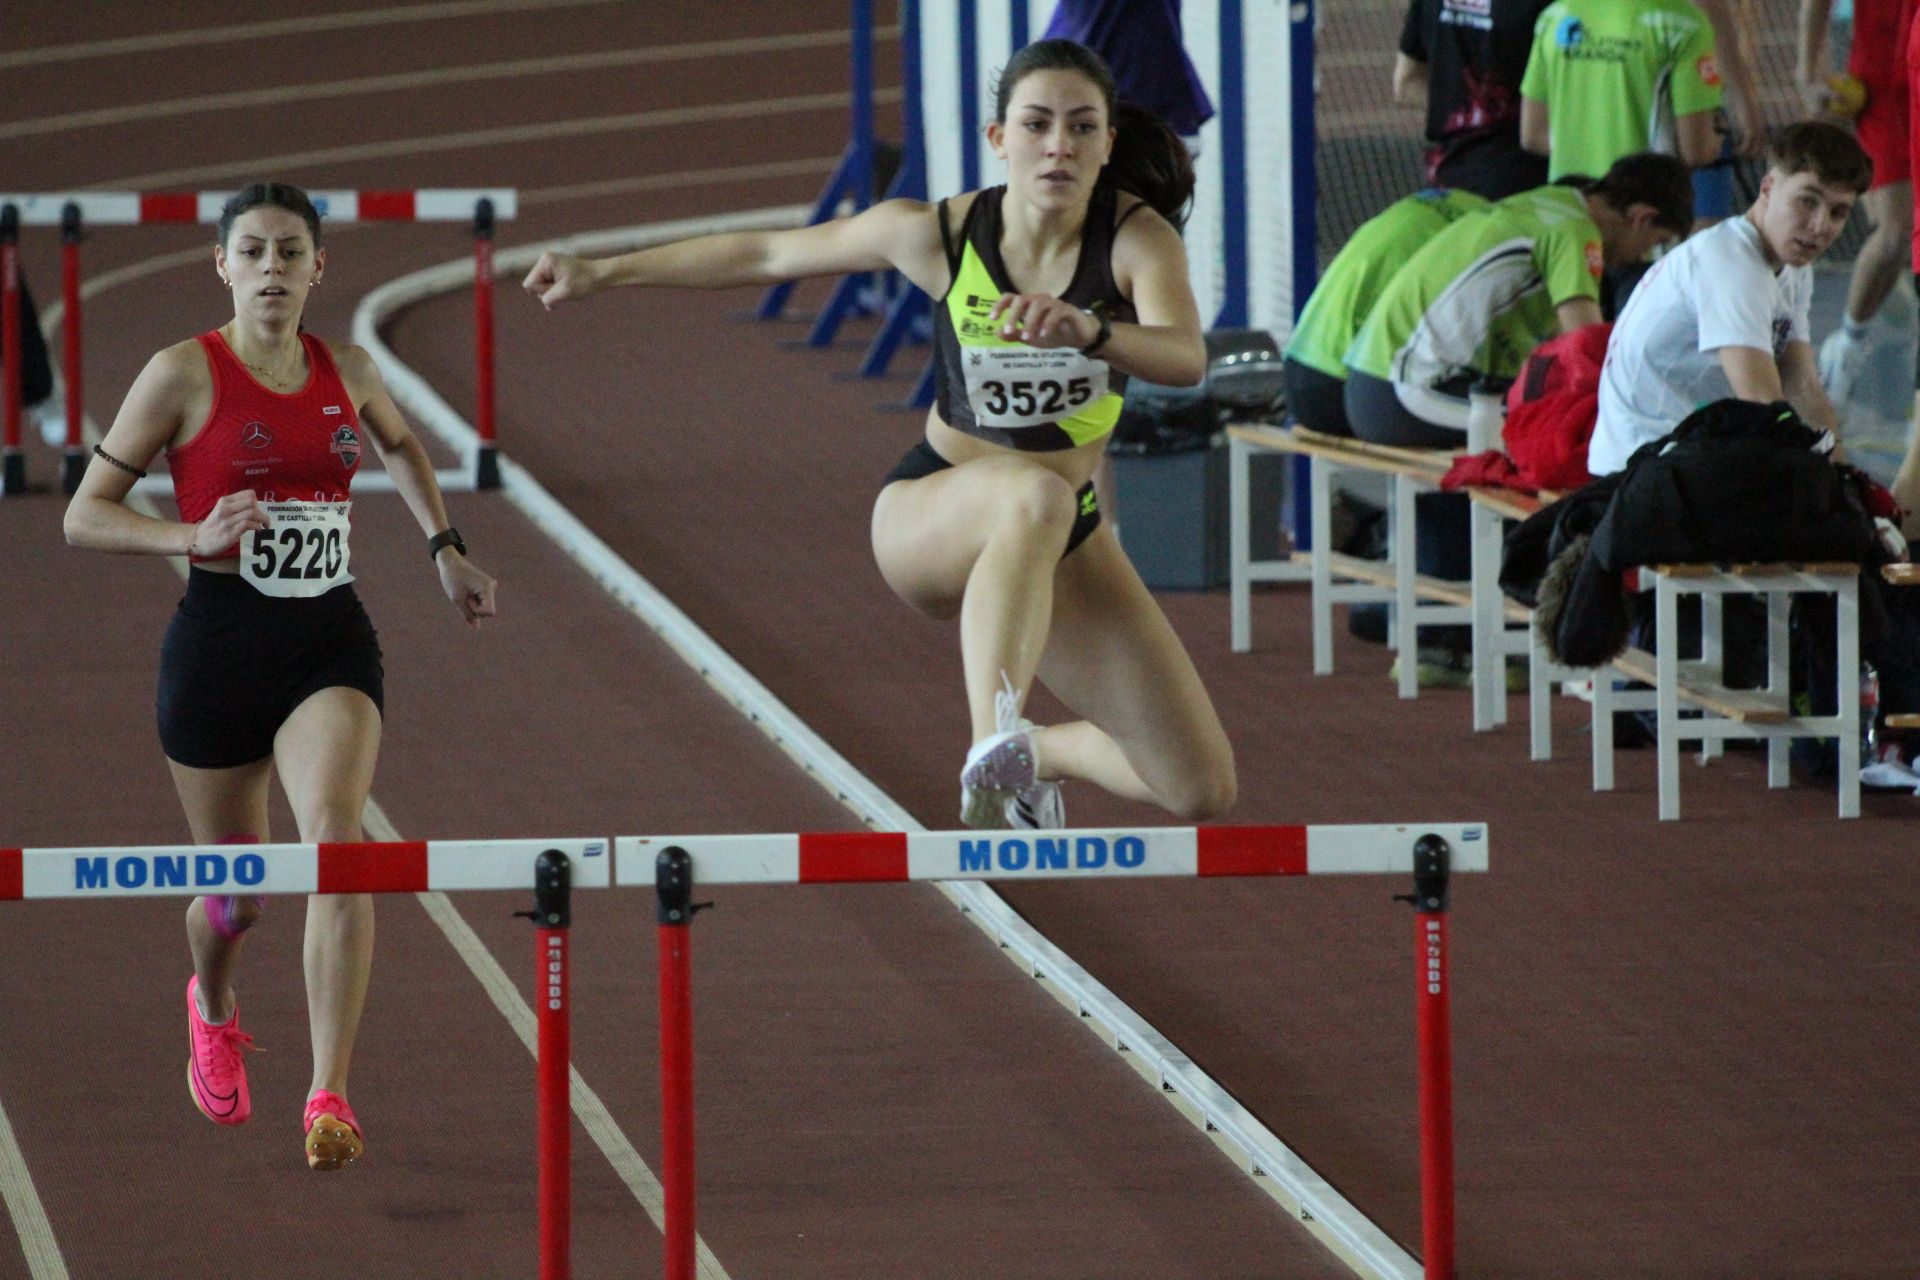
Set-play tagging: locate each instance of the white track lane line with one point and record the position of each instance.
(44, 1260)
(231, 32)
(593, 1114)
(472, 73)
(474, 139)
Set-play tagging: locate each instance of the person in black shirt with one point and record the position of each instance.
(1462, 60)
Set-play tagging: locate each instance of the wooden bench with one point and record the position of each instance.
(1418, 601)
(1501, 627)
(1698, 685)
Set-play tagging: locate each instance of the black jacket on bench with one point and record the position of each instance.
(1736, 482)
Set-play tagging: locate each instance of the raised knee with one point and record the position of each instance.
(1208, 794)
(1035, 499)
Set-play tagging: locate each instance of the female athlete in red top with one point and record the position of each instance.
(270, 662)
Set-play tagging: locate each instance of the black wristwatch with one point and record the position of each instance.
(448, 537)
(1100, 338)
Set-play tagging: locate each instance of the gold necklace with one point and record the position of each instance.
(277, 379)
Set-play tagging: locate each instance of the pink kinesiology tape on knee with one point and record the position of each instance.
(220, 907)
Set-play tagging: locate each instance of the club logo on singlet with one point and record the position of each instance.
(255, 435)
(976, 322)
(346, 447)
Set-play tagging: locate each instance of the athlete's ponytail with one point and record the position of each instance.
(1151, 161)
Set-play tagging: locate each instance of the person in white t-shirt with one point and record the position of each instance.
(1725, 314)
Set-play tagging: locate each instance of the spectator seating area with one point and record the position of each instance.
(1713, 713)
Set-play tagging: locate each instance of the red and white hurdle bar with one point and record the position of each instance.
(551, 868)
(674, 865)
(74, 211)
(1429, 853)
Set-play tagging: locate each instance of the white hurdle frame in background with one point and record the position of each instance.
(75, 211)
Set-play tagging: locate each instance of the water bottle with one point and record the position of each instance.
(1486, 415)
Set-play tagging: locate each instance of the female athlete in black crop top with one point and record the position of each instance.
(1050, 292)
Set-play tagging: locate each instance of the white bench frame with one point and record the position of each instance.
(1338, 579)
(1725, 713)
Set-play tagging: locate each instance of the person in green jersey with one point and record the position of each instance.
(1480, 295)
(1315, 357)
(1475, 301)
(1608, 78)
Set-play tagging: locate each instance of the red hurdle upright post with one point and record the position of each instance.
(1431, 868)
(76, 462)
(486, 465)
(552, 915)
(13, 467)
(673, 878)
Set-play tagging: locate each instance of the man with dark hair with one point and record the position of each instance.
(1726, 314)
(1476, 300)
(1480, 295)
(1315, 357)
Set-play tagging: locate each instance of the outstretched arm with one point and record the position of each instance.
(470, 588)
(901, 235)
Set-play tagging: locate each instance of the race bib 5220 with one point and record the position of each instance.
(303, 554)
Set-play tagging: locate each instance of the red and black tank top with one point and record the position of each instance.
(304, 446)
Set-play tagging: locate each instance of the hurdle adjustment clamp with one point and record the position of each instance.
(1432, 864)
(673, 878)
(552, 891)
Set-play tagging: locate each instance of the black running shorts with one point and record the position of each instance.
(921, 460)
(235, 663)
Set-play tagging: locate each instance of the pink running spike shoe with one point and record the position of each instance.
(334, 1140)
(216, 1068)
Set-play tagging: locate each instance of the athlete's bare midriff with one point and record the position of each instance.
(1074, 465)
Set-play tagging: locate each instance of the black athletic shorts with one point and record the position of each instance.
(235, 663)
(921, 460)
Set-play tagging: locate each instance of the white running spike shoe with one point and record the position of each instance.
(1000, 768)
(1041, 808)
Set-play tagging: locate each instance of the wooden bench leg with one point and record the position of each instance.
(1539, 698)
(1846, 610)
(1320, 496)
(1489, 620)
(1779, 748)
(1603, 709)
(1405, 624)
(1239, 543)
(1667, 695)
(1713, 653)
